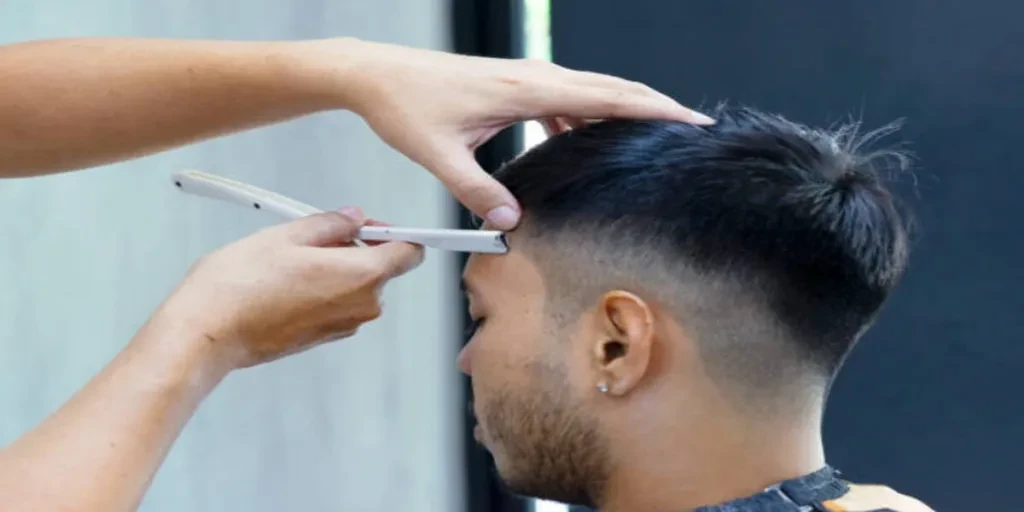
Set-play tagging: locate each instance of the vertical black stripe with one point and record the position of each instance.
(487, 28)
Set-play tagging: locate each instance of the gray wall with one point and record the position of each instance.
(369, 424)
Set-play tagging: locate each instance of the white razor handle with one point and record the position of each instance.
(245, 195)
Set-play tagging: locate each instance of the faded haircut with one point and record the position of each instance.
(775, 243)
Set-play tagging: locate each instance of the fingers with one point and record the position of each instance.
(589, 102)
(558, 125)
(374, 222)
(396, 258)
(552, 126)
(474, 188)
(327, 229)
(341, 227)
(392, 259)
(673, 111)
(616, 83)
(588, 95)
(575, 123)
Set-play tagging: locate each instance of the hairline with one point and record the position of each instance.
(703, 303)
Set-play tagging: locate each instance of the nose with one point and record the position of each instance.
(464, 359)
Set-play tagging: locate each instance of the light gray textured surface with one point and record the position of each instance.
(369, 424)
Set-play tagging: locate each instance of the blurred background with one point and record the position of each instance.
(379, 423)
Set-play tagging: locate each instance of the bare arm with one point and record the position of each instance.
(77, 103)
(100, 451)
(275, 293)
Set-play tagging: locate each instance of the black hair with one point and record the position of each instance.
(800, 212)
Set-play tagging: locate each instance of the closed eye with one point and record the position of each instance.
(474, 326)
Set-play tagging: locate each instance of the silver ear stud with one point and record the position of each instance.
(602, 387)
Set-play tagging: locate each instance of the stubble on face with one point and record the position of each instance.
(544, 444)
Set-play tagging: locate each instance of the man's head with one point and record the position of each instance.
(663, 269)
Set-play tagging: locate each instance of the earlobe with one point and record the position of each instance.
(623, 352)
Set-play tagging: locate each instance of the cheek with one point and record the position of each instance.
(575, 349)
(503, 347)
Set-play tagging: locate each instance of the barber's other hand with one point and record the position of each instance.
(438, 107)
(287, 288)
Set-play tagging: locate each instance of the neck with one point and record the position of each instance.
(711, 461)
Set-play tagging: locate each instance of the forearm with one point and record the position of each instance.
(77, 103)
(100, 451)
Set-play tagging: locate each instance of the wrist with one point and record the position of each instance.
(183, 354)
(335, 72)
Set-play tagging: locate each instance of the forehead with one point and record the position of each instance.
(509, 274)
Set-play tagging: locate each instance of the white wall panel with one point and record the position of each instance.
(369, 424)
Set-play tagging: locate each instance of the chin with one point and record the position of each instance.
(507, 473)
(518, 486)
(530, 484)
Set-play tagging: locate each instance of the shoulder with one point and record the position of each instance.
(871, 497)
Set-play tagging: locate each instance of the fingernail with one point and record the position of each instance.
(701, 118)
(503, 217)
(352, 212)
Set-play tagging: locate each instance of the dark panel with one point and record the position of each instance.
(488, 28)
(929, 403)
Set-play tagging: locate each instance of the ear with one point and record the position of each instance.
(622, 353)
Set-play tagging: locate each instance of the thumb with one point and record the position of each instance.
(474, 188)
(325, 229)
(396, 258)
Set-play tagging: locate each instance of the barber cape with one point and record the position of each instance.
(823, 491)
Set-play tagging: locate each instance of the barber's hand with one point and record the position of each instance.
(438, 107)
(288, 288)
